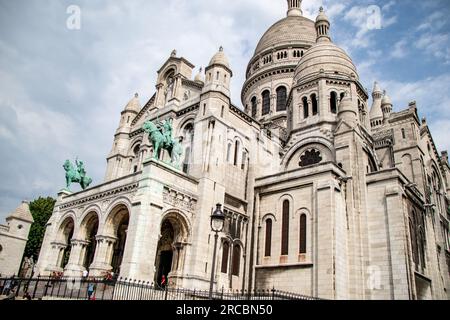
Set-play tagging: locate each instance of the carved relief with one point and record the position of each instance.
(179, 200)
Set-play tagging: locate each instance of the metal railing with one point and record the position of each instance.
(66, 288)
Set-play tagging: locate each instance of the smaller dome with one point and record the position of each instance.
(199, 76)
(322, 17)
(325, 58)
(386, 100)
(220, 58)
(134, 104)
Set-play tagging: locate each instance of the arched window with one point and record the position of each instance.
(302, 248)
(315, 107)
(285, 229)
(412, 230)
(254, 107)
(265, 102)
(333, 102)
(236, 260)
(236, 153)
(136, 151)
(305, 108)
(268, 243)
(281, 98)
(225, 254)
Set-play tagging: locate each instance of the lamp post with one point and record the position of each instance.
(217, 222)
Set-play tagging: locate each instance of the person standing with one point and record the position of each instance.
(91, 290)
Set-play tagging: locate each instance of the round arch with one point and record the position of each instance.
(268, 216)
(175, 232)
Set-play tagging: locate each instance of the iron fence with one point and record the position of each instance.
(66, 288)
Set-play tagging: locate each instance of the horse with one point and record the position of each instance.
(173, 147)
(72, 175)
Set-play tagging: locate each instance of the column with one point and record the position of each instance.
(56, 257)
(273, 103)
(102, 257)
(75, 267)
(258, 108)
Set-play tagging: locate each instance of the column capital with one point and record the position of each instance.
(59, 245)
(104, 238)
(79, 242)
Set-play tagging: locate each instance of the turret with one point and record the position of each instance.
(116, 161)
(386, 106)
(348, 111)
(20, 220)
(218, 74)
(294, 8)
(322, 27)
(376, 114)
(129, 113)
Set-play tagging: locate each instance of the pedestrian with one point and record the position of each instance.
(7, 287)
(26, 296)
(91, 290)
(11, 295)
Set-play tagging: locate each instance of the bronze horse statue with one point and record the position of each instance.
(77, 175)
(164, 140)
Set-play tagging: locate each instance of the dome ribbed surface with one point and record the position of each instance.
(326, 57)
(293, 30)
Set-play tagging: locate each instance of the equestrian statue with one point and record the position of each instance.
(77, 175)
(160, 134)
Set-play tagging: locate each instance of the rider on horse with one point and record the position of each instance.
(166, 130)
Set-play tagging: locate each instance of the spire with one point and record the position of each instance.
(322, 26)
(294, 8)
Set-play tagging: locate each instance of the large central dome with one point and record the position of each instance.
(292, 30)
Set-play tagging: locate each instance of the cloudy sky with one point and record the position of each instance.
(62, 90)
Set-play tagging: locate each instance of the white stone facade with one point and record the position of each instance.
(322, 197)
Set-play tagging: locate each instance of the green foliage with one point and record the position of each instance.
(41, 210)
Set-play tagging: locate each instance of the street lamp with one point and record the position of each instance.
(217, 222)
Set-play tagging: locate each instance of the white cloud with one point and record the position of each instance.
(400, 49)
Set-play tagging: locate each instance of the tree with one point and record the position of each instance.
(41, 209)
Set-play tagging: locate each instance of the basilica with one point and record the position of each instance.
(327, 189)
